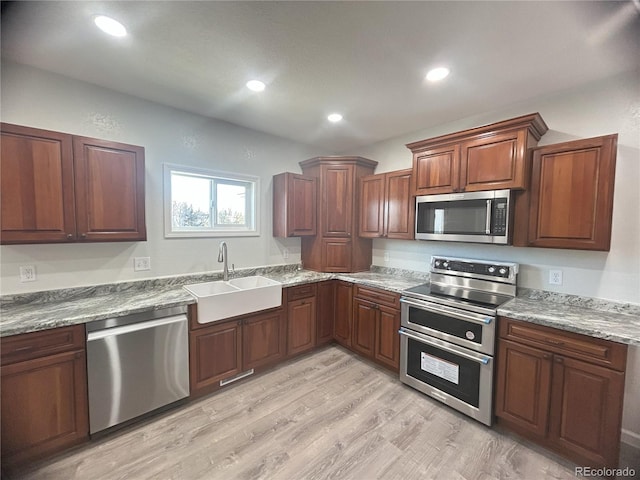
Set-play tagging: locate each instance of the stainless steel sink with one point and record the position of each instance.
(219, 300)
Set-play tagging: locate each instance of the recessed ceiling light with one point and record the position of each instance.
(110, 26)
(437, 74)
(334, 117)
(256, 85)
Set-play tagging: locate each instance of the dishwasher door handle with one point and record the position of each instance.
(134, 327)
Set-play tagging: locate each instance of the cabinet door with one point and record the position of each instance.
(399, 205)
(37, 198)
(586, 411)
(301, 325)
(387, 347)
(336, 255)
(264, 339)
(342, 325)
(215, 354)
(493, 162)
(572, 194)
(437, 170)
(109, 182)
(44, 406)
(325, 312)
(372, 203)
(523, 386)
(337, 200)
(294, 205)
(365, 316)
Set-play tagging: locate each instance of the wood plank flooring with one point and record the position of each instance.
(327, 415)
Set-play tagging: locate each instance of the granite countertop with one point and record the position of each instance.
(609, 320)
(59, 308)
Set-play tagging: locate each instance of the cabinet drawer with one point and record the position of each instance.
(378, 296)
(593, 350)
(39, 344)
(301, 291)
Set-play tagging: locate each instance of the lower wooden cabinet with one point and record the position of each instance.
(222, 350)
(215, 354)
(301, 325)
(44, 394)
(376, 321)
(325, 311)
(562, 390)
(343, 316)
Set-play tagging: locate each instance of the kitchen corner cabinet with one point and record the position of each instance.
(337, 246)
(343, 315)
(570, 202)
(294, 205)
(386, 205)
(490, 157)
(301, 318)
(325, 312)
(59, 188)
(562, 390)
(44, 393)
(221, 350)
(376, 321)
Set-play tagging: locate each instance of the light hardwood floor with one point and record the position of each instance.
(325, 415)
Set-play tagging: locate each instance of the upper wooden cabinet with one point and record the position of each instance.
(62, 188)
(570, 201)
(386, 205)
(491, 157)
(337, 247)
(294, 205)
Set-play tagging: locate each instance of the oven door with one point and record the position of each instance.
(464, 328)
(451, 374)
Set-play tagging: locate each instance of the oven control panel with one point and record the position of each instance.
(474, 268)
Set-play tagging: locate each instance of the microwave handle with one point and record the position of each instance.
(487, 226)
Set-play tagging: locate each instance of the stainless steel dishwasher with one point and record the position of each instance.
(136, 364)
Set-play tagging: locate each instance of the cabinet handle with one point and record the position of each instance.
(69, 235)
(23, 349)
(83, 235)
(554, 342)
(546, 356)
(559, 360)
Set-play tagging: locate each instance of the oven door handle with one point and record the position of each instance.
(447, 347)
(448, 311)
(487, 226)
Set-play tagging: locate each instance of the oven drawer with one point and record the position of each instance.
(378, 296)
(593, 350)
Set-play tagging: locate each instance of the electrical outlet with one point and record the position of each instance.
(28, 273)
(141, 263)
(285, 253)
(386, 256)
(555, 277)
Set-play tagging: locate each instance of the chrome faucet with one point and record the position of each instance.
(222, 257)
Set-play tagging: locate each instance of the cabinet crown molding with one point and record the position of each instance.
(338, 159)
(533, 122)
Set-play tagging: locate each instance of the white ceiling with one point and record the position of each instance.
(366, 60)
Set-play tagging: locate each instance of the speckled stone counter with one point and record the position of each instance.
(35, 311)
(618, 322)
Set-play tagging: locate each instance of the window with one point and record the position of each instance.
(204, 203)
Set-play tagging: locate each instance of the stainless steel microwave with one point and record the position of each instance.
(478, 217)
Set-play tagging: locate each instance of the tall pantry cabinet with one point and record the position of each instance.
(337, 246)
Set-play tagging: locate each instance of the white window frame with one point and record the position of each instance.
(253, 204)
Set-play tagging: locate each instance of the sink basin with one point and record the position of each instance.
(219, 300)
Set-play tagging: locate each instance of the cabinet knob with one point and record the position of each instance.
(546, 356)
(69, 235)
(83, 235)
(559, 360)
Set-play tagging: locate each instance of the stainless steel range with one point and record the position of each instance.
(447, 337)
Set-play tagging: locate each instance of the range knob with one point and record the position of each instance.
(445, 264)
(437, 263)
(503, 271)
(491, 269)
